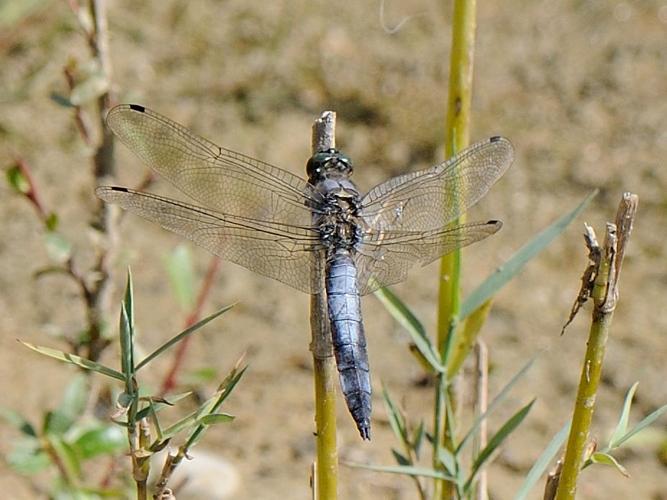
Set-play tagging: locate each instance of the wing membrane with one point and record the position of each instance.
(430, 199)
(218, 178)
(280, 251)
(385, 257)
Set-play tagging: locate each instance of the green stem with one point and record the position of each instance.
(589, 381)
(457, 136)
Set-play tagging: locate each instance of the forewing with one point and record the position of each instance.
(430, 199)
(279, 251)
(216, 177)
(384, 258)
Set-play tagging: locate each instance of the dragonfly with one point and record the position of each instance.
(281, 226)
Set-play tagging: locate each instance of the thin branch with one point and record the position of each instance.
(324, 368)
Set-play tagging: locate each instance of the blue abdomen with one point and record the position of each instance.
(349, 341)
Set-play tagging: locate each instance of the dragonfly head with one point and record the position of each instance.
(328, 163)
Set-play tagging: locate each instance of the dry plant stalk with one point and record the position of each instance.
(325, 477)
(600, 282)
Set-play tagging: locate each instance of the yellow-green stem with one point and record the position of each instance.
(588, 384)
(457, 131)
(324, 367)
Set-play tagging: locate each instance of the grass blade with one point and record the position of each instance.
(75, 360)
(404, 316)
(645, 422)
(181, 336)
(407, 470)
(512, 267)
(497, 439)
(492, 406)
(542, 462)
(622, 425)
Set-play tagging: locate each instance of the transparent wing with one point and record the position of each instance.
(384, 258)
(430, 199)
(216, 177)
(280, 251)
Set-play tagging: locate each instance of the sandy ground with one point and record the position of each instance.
(579, 87)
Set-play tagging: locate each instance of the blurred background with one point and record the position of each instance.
(580, 88)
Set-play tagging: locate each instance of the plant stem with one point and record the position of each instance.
(324, 367)
(605, 295)
(456, 137)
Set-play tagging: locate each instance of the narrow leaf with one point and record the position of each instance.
(396, 419)
(400, 458)
(215, 418)
(404, 316)
(181, 336)
(75, 360)
(604, 458)
(494, 404)
(407, 470)
(468, 332)
(622, 425)
(512, 267)
(543, 461)
(448, 460)
(497, 439)
(645, 422)
(157, 406)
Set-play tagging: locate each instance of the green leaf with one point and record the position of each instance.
(396, 418)
(15, 419)
(75, 360)
(211, 406)
(100, 440)
(407, 470)
(604, 458)
(156, 405)
(58, 248)
(404, 316)
(498, 438)
(624, 417)
(645, 422)
(27, 457)
(512, 267)
(215, 418)
(17, 180)
(448, 461)
(494, 404)
(543, 461)
(126, 331)
(181, 336)
(400, 458)
(181, 275)
(468, 332)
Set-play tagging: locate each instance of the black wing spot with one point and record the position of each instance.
(137, 107)
(121, 189)
(495, 138)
